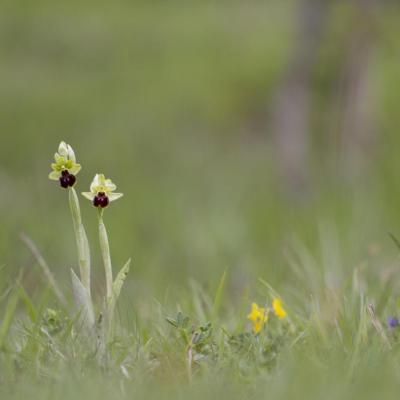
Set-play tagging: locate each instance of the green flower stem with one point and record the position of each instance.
(81, 239)
(105, 252)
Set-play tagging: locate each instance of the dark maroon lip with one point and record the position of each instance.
(67, 179)
(101, 200)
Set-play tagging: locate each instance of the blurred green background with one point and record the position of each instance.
(233, 128)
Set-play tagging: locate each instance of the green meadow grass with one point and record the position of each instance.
(334, 343)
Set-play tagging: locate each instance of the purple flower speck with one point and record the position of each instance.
(393, 322)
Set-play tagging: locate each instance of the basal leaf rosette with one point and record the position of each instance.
(65, 168)
(102, 191)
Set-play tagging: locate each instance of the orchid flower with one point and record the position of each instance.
(65, 166)
(102, 191)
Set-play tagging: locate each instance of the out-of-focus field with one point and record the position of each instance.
(173, 101)
(166, 98)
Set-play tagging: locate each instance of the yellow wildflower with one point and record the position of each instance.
(258, 316)
(278, 308)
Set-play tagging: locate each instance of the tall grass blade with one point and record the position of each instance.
(219, 294)
(9, 313)
(44, 266)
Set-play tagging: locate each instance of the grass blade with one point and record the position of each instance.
(219, 294)
(10, 311)
(44, 266)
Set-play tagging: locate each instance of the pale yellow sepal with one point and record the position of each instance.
(102, 185)
(65, 160)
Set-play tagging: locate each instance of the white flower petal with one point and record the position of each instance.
(101, 179)
(71, 153)
(54, 175)
(109, 185)
(88, 195)
(114, 196)
(94, 184)
(63, 149)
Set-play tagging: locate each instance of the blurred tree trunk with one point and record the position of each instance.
(291, 111)
(354, 125)
(357, 119)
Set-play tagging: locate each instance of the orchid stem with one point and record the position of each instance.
(105, 252)
(81, 239)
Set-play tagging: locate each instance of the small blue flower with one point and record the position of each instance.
(393, 322)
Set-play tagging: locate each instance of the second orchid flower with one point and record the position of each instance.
(102, 191)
